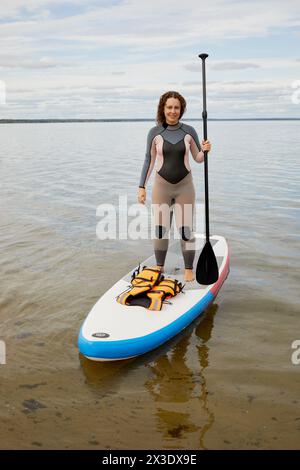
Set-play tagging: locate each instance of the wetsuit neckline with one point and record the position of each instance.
(173, 127)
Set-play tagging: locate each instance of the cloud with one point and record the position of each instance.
(123, 54)
(255, 63)
(151, 25)
(42, 63)
(39, 9)
(234, 66)
(224, 100)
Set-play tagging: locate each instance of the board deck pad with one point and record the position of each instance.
(174, 265)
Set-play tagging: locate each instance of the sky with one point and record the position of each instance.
(115, 58)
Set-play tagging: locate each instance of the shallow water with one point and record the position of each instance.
(227, 381)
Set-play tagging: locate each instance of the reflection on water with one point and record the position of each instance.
(203, 331)
(104, 377)
(177, 383)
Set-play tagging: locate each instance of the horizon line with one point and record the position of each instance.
(59, 120)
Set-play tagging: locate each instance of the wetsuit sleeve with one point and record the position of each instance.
(150, 157)
(195, 146)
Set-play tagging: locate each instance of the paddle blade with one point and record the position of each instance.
(207, 271)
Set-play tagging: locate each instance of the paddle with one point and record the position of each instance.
(207, 271)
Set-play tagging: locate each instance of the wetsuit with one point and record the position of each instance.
(169, 146)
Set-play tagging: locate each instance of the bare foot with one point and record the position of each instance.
(189, 275)
(161, 268)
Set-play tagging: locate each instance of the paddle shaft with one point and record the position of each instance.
(204, 119)
(207, 271)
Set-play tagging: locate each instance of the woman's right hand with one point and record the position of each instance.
(142, 195)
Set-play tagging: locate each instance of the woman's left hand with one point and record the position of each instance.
(205, 146)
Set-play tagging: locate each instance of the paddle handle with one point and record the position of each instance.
(204, 119)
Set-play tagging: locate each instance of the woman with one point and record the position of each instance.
(169, 143)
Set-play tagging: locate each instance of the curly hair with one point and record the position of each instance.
(160, 116)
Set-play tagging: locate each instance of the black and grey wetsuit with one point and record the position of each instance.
(168, 146)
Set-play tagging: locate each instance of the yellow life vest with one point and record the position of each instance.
(149, 289)
(165, 290)
(141, 282)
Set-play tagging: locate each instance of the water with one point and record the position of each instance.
(228, 381)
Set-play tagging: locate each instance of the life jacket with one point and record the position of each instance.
(141, 282)
(149, 289)
(160, 293)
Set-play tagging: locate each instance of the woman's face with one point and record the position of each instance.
(172, 110)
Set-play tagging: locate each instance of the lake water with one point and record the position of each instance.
(228, 381)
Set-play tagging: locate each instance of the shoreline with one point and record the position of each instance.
(47, 121)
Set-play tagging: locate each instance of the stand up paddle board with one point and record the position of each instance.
(113, 331)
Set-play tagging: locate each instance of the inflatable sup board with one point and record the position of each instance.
(112, 331)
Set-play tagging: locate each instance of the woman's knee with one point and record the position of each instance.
(186, 233)
(160, 231)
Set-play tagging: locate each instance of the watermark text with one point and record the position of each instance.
(295, 358)
(2, 352)
(296, 94)
(143, 222)
(2, 93)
